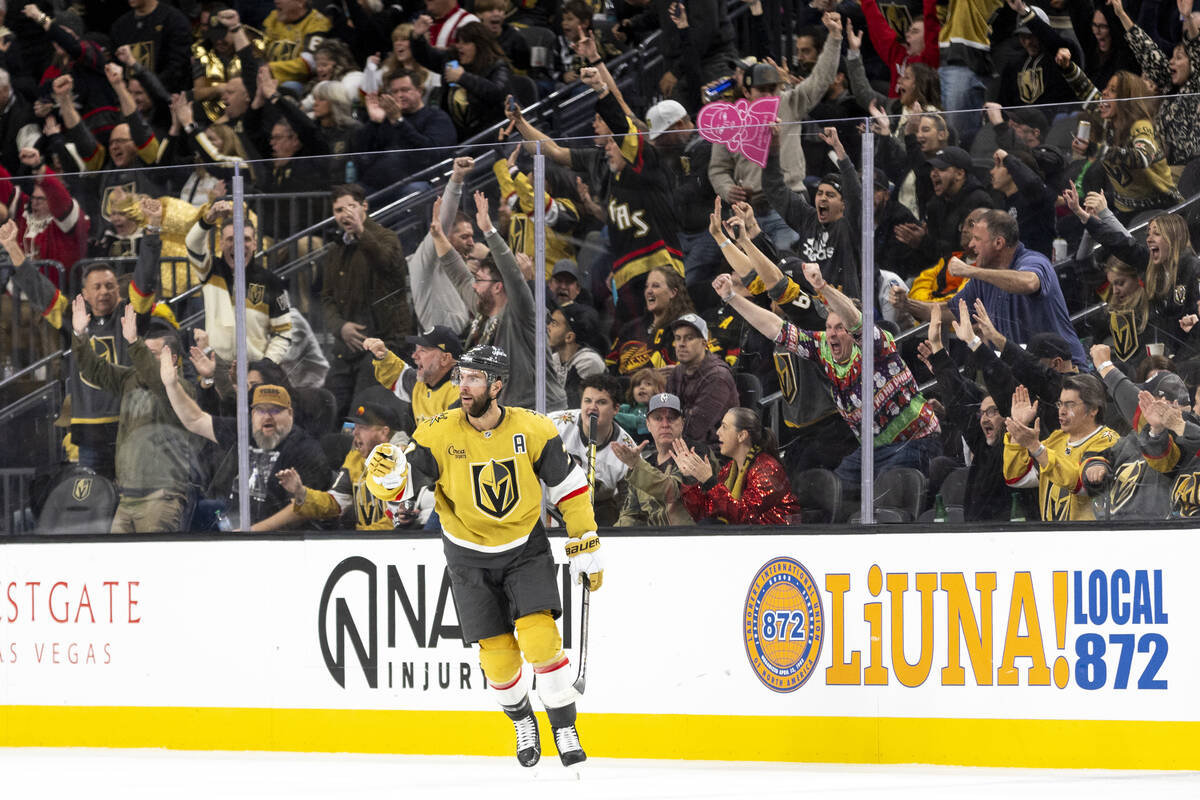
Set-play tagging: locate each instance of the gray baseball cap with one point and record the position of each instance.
(664, 400)
(695, 321)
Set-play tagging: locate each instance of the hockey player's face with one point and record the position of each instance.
(100, 292)
(841, 343)
(473, 391)
(599, 403)
(829, 204)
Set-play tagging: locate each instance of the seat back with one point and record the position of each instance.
(750, 390)
(82, 501)
(819, 493)
(954, 488)
(902, 490)
(523, 89)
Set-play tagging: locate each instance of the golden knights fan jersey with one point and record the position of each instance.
(370, 513)
(487, 493)
(1061, 494)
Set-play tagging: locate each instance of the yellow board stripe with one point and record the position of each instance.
(863, 740)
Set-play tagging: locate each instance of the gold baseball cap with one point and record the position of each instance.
(269, 394)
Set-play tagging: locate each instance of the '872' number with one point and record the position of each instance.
(783, 626)
(1091, 671)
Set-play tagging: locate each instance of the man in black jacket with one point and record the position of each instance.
(364, 294)
(829, 230)
(957, 192)
(686, 154)
(399, 120)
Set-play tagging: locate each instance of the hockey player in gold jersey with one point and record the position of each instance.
(1053, 464)
(487, 464)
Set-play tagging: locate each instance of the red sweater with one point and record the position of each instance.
(891, 46)
(767, 497)
(62, 237)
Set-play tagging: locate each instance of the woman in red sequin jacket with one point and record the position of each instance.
(752, 488)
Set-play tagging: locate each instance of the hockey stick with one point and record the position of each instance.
(585, 611)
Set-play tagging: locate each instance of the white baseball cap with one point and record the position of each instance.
(663, 115)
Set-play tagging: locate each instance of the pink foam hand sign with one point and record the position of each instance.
(743, 127)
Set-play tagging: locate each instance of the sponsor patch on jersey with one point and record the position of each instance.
(495, 486)
(783, 624)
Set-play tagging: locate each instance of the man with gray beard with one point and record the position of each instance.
(278, 444)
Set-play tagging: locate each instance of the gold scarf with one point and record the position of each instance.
(735, 481)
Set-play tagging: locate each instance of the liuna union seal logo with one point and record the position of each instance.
(783, 624)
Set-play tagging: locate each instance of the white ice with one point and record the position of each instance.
(180, 775)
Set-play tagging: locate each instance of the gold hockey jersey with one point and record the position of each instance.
(1061, 494)
(370, 513)
(488, 484)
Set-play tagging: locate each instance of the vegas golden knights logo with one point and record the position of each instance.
(786, 370)
(106, 348)
(1125, 339)
(1125, 483)
(255, 293)
(495, 487)
(898, 16)
(82, 489)
(1030, 84)
(1183, 495)
(143, 53)
(1058, 504)
(1180, 294)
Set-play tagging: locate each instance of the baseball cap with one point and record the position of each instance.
(568, 266)
(1040, 14)
(664, 400)
(1029, 116)
(367, 413)
(268, 394)
(662, 116)
(1048, 345)
(693, 320)
(951, 157)
(761, 74)
(438, 336)
(881, 180)
(583, 321)
(835, 180)
(1170, 386)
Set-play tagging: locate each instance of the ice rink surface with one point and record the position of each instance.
(29, 773)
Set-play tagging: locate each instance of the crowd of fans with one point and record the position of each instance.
(1027, 156)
